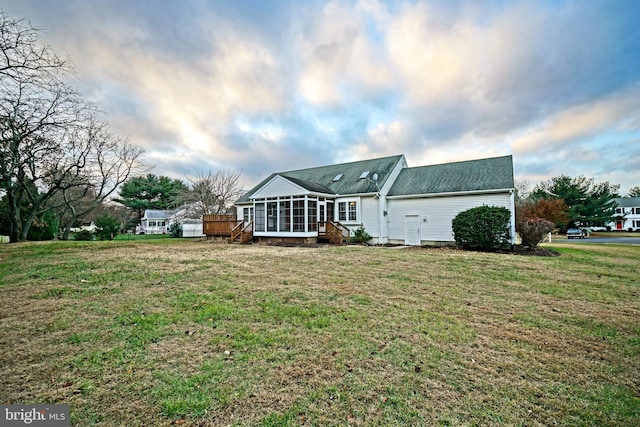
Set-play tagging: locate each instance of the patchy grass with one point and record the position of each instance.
(190, 332)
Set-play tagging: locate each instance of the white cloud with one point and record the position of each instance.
(615, 113)
(339, 62)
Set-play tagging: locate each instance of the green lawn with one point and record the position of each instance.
(189, 332)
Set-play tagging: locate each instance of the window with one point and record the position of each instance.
(337, 177)
(618, 210)
(348, 211)
(364, 174)
(247, 215)
(152, 223)
(272, 216)
(285, 215)
(313, 215)
(342, 211)
(298, 215)
(637, 211)
(352, 211)
(260, 217)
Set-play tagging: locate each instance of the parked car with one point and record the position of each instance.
(574, 233)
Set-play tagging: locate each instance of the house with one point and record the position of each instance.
(88, 226)
(627, 216)
(156, 221)
(394, 203)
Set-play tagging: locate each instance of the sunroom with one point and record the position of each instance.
(291, 216)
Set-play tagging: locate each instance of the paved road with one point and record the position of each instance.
(618, 240)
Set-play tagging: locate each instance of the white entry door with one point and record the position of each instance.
(412, 230)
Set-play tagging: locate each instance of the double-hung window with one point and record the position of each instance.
(348, 211)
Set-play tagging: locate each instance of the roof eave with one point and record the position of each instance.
(452, 193)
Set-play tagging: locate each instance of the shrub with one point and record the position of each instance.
(175, 229)
(360, 235)
(83, 235)
(107, 227)
(484, 228)
(532, 231)
(43, 227)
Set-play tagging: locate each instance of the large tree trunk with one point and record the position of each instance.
(15, 224)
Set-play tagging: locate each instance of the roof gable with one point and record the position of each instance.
(279, 185)
(473, 175)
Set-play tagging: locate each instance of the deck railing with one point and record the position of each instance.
(335, 232)
(242, 232)
(219, 225)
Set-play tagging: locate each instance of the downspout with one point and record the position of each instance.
(382, 210)
(512, 206)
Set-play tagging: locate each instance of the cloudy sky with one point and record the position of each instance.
(262, 86)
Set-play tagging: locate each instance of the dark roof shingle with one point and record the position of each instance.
(473, 175)
(320, 179)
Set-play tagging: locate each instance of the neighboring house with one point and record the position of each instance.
(91, 226)
(156, 221)
(627, 216)
(394, 203)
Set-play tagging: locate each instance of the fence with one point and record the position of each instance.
(218, 225)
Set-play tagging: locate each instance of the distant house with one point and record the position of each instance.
(627, 216)
(156, 221)
(88, 226)
(394, 203)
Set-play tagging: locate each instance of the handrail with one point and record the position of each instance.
(236, 231)
(247, 233)
(334, 231)
(242, 232)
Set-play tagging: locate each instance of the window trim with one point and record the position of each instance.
(347, 203)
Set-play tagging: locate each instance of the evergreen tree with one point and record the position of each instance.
(150, 192)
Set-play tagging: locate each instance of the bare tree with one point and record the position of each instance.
(50, 142)
(108, 163)
(523, 190)
(211, 193)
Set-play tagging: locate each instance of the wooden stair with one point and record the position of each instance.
(242, 233)
(333, 232)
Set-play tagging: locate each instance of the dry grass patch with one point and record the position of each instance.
(200, 333)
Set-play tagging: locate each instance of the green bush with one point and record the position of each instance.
(175, 229)
(484, 228)
(83, 235)
(43, 227)
(360, 235)
(107, 227)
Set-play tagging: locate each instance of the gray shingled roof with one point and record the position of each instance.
(628, 202)
(320, 179)
(474, 175)
(158, 213)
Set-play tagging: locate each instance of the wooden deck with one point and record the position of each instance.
(240, 232)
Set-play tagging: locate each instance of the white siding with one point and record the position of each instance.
(436, 214)
(192, 230)
(279, 186)
(369, 216)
